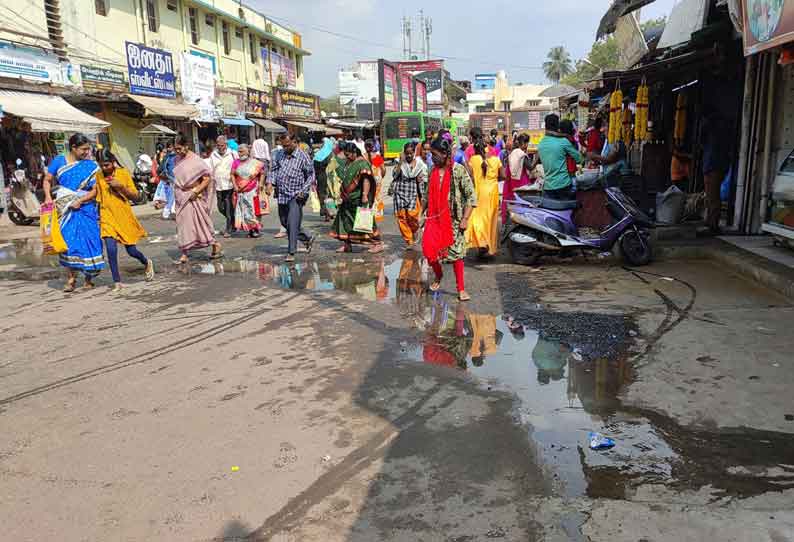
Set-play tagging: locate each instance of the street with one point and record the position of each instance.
(336, 399)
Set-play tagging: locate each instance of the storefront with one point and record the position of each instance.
(299, 112)
(35, 128)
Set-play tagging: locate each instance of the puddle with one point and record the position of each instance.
(566, 369)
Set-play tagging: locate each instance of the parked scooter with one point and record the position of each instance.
(24, 205)
(142, 177)
(540, 226)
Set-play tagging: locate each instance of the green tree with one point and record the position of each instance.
(653, 23)
(558, 64)
(604, 55)
(331, 105)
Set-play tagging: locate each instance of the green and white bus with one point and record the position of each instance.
(400, 128)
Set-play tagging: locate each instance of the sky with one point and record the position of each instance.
(518, 43)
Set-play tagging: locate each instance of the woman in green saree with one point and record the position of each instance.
(358, 190)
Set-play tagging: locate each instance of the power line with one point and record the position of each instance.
(390, 47)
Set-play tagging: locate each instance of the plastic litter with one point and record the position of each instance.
(235, 468)
(600, 442)
(326, 458)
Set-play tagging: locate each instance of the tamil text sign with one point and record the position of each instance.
(20, 63)
(297, 105)
(198, 85)
(151, 71)
(257, 102)
(102, 79)
(767, 24)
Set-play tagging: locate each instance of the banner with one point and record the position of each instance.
(407, 93)
(198, 85)
(429, 71)
(151, 71)
(102, 79)
(389, 91)
(279, 70)
(257, 102)
(420, 92)
(231, 102)
(767, 24)
(29, 64)
(297, 105)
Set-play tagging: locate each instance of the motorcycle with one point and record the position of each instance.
(24, 205)
(541, 226)
(142, 178)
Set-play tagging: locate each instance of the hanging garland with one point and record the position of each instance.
(615, 109)
(626, 133)
(641, 118)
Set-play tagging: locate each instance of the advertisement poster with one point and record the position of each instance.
(767, 24)
(534, 121)
(231, 102)
(429, 71)
(102, 79)
(390, 94)
(406, 93)
(280, 71)
(420, 92)
(198, 85)
(297, 105)
(23, 63)
(257, 102)
(151, 71)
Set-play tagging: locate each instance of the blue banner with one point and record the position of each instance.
(151, 71)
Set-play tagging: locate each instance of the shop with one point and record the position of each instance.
(258, 109)
(300, 113)
(231, 104)
(36, 127)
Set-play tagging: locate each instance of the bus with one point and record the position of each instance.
(400, 128)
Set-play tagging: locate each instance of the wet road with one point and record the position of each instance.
(447, 421)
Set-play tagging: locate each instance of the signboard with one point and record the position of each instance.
(151, 71)
(389, 91)
(208, 57)
(257, 102)
(429, 71)
(484, 81)
(420, 93)
(231, 102)
(407, 93)
(29, 64)
(534, 121)
(297, 105)
(102, 79)
(198, 85)
(767, 24)
(279, 70)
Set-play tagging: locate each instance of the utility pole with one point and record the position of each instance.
(407, 42)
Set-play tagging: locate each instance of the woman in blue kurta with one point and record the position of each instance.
(78, 216)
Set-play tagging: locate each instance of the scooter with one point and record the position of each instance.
(25, 201)
(541, 226)
(142, 177)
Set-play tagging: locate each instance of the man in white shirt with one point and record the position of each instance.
(221, 161)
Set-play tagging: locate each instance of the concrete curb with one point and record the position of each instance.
(766, 273)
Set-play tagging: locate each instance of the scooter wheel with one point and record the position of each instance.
(19, 219)
(522, 255)
(636, 249)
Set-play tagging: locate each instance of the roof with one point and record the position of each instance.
(352, 124)
(555, 91)
(231, 121)
(315, 127)
(160, 107)
(618, 9)
(47, 113)
(157, 130)
(268, 125)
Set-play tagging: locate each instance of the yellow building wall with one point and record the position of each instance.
(125, 143)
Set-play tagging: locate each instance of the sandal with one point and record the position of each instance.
(343, 249)
(216, 255)
(89, 285)
(71, 286)
(184, 259)
(464, 296)
(376, 249)
(435, 286)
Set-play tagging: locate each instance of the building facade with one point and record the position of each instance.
(196, 66)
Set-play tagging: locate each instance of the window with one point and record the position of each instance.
(252, 47)
(172, 5)
(152, 15)
(209, 19)
(238, 32)
(101, 7)
(192, 14)
(227, 44)
(401, 127)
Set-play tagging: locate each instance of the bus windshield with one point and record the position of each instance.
(401, 127)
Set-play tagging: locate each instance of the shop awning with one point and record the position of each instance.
(157, 130)
(231, 121)
(269, 125)
(314, 127)
(46, 113)
(160, 107)
(353, 124)
(618, 9)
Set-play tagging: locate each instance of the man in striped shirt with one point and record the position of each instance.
(293, 175)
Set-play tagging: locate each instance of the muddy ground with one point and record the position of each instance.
(335, 399)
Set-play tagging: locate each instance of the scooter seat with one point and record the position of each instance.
(553, 204)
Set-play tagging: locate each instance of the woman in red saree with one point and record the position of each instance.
(248, 177)
(448, 201)
(194, 193)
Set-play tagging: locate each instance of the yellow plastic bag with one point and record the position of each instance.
(51, 237)
(314, 201)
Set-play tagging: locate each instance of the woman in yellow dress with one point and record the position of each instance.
(117, 222)
(482, 232)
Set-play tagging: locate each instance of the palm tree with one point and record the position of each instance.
(558, 64)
